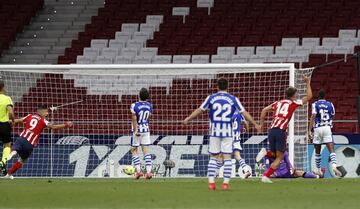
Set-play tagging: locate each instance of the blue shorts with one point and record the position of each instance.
(277, 140)
(23, 147)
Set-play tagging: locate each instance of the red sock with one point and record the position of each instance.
(269, 172)
(269, 154)
(15, 167)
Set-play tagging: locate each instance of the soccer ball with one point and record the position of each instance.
(129, 170)
(348, 161)
(241, 172)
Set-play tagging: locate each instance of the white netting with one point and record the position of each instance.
(98, 102)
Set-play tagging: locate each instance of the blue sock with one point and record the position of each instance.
(212, 168)
(333, 159)
(242, 163)
(148, 163)
(318, 160)
(227, 170)
(136, 162)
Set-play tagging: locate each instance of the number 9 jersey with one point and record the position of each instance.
(34, 125)
(142, 110)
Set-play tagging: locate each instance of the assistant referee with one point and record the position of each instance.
(6, 118)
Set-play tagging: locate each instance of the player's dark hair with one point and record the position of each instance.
(2, 85)
(144, 94)
(321, 94)
(290, 92)
(222, 84)
(42, 107)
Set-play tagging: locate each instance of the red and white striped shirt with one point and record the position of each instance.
(34, 125)
(283, 111)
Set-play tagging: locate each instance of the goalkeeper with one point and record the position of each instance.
(285, 169)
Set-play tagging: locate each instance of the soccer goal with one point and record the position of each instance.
(97, 99)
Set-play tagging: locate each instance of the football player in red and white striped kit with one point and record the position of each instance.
(283, 111)
(29, 137)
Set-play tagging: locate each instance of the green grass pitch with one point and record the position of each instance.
(179, 193)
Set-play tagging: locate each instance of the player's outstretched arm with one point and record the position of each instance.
(60, 126)
(311, 124)
(193, 115)
(263, 114)
(309, 94)
(245, 125)
(249, 118)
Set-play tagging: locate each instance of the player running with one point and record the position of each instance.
(285, 169)
(29, 137)
(222, 107)
(238, 124)
(320, 126)
(141, 112)
(283, 111)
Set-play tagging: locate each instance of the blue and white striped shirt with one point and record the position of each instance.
(142, 110)
(222, 107)
(324, 111)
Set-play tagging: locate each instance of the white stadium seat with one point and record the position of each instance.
(310, 42)
(264, 50)
(130, 27)
(162, 59)
(221, 58)
(238, 59)
(91, 52)
(118, 44)
(200, 59)
(297, 58)
(351, 42)
(83, 60)
(103, 60)
(257, 59)
(123, 35)
(123, 60)
(131, 52)
(245, 51)
(135, 43)
(290, 42)
(342, 50)
(322, 50)
(304, 50)
(142, 59)
(277, 58)
(150, 52)
(330, 42)
(346, 33)
(181, 59)
(283, 50)
(110, 52)
(226, 50)
(99, 43)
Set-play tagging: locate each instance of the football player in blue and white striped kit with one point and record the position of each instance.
(320, 126)
(141, 112)
(222, 107)
(238, 123)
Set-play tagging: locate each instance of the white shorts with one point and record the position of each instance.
(322, 135)
(219, 145)
(143, 140)
(237, 146)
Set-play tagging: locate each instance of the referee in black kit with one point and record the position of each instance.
(6, 118)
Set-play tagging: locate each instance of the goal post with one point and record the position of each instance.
(97, 99)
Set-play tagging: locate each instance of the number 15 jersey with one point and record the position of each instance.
(142, 110)
(222, 107)
(283, 111)
(324, 111)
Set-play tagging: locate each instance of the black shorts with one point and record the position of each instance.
(5, 132)
(277, 140)
(22, 147)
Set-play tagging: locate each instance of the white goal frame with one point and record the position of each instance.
(163, 69)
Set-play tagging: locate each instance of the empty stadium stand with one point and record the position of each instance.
(51, 31)
(307, 32)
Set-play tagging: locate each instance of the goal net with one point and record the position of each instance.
(97, 99)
